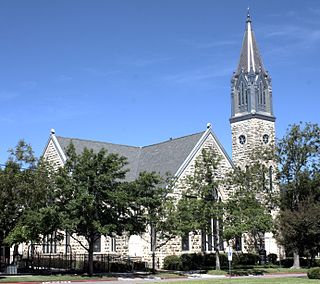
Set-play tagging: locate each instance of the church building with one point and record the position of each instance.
(252, 125)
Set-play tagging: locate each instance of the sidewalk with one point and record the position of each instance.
(131, 278)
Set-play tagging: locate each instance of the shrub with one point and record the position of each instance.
(272, 258)
(314, 273)
(209, 260)
(247, 259)
(172, 262)
(120, 267)
(196, 261)
(317, 262)
(139, 265)
(288, 262)
(191, 261)
(224, 260)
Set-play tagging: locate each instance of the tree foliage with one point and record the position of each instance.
(153, 196)
(154, 204)
(299, 161)
(26, 188)
(94, 199)
(251, 200)
(200, 207)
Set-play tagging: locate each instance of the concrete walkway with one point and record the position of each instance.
(150, 278)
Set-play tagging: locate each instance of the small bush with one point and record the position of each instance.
(224, 260)
(172, 262)
(209, 260)
(288, 262)
(191, 261)
(120, 267)
(247, 259)
(317, 262)
(197, 261)
(272, 258)
(314, 273)
(139, 265)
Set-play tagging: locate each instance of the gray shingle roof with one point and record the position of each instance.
(165, 157)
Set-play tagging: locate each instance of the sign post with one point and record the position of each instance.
(229, 251)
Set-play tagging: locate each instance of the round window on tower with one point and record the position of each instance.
(265, 138)
(242, 139)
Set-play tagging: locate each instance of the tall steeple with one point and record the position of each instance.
(251, 84)
(252, 119)
(250, 58)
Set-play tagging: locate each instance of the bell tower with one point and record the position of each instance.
(252, 119)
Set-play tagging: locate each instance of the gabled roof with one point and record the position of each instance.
(130, 152)
(168, 156)
(164, 157)
(250, 58)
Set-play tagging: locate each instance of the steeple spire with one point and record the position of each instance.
(252, 120)
(250, 58)
(251, 84)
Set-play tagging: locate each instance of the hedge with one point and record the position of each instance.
(172, 262)
(196, 261)
(314, 273)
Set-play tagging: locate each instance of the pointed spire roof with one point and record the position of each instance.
(250, 59)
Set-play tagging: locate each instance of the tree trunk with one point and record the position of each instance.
(217, 260)
(90, 257)
(312, 260)
(296, 260)
(216, 244)
(153, 247)
(15, 254)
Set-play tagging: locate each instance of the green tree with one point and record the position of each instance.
(251, 200)
(155, 202)
(300, 228)
(25, 190)
(200, 207)
(94, 199)
(299, 161)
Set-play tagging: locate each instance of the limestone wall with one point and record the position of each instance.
(143, 249)
(253, 130)
(52, 156)
(174, 246)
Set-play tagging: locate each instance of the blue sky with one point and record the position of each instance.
(138, 72)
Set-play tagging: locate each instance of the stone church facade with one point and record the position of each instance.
(252, 126)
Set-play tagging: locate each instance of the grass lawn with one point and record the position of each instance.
(45, 278)
(253, 281)
(31, 278)
(55, 278)
(168, 275)
(258, 270)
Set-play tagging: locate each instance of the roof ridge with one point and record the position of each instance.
(96, 141)
(137, 147)
(172, 139)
